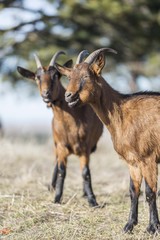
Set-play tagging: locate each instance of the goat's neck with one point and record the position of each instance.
(59, 102)
(107, 105)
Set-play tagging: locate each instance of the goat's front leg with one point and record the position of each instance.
(135, 183)
(60, 181)
(87, 185)
(150, 172)
(62, 154)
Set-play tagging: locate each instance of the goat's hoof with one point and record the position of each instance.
(57, 199)
(92, 202)
(50, 188)
(84, 195)
(128, 227)
(153, 228)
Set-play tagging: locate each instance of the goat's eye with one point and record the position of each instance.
(86, 76)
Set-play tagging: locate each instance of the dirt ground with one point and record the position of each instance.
(27, 210)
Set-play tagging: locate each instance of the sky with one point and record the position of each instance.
(18, 110)
(12, 16)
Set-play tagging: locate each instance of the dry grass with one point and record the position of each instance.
(27, 210)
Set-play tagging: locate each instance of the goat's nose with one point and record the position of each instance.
(45, 93)
(68, 96)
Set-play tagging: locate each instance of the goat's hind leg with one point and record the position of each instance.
(150, 172)
(154, 224)
(54, 178)
(135, 183)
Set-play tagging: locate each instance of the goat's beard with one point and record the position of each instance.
(49, 105)
(48, 102)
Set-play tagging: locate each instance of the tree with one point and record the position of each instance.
(129, 26)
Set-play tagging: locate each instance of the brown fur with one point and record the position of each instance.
(132, 120)
(75, 131)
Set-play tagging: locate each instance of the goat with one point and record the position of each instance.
(74, 131)
(133, 122)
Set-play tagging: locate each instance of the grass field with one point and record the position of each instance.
(27, 210)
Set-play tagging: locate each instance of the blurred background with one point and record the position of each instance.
(132, 27)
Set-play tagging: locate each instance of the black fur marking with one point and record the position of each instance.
(87, 187)
(60, 182)
(133, 216)
(55, 174)
(146, 93)
(154, 224)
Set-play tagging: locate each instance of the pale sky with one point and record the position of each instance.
(18, 111)
(10, 17)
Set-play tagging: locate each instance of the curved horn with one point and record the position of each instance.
(81, 56)
(94, 54)
(38, 62)
(52, 62)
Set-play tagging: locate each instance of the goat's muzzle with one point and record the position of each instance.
(72, 98)
(46, 96)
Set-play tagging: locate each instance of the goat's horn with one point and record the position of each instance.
(81, 56)
(38, 62)
(90, 59)
(52, 62)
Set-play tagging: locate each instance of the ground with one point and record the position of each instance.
(27, 210)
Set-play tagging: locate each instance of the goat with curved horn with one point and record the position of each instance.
(81, 56)
(79, 139)
(38, 62)
(55, 56)
(90, 59)
(133, 123)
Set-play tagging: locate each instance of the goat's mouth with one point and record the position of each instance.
(74, 102)
(47, 99)
(72, 99)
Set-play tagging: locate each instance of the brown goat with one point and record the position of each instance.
(133, 121)
(74, 131)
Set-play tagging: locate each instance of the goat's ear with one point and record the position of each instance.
(26, 73)
(69, 63)
(98, 64)
(63, 70)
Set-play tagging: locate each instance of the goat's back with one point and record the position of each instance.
(139, 131)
